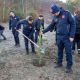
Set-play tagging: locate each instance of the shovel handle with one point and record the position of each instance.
(28, 38)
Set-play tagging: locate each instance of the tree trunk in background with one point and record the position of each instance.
(22, 7)
(3, 10)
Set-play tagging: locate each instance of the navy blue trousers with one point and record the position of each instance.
(27, 43)
(36, 36)
(16, 36)
(63, 42)
(76, 41)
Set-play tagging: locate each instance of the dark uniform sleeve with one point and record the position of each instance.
(33, 30)
(72, 25)
(50, 27)
(18, 18)
(37, 25)
(19, 24)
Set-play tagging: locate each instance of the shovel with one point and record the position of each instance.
(39, 47)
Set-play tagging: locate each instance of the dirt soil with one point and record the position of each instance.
(16, 65)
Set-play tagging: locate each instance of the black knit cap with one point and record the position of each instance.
(55, 9)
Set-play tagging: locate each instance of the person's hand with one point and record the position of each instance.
(35, 31)
(41, 33)
(15, 28)
(18, 29)
(42, 29)
(71, 39)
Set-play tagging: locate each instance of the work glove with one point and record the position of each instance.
(71, 39)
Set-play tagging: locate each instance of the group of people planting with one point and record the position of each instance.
(67, 28)
(30, 27)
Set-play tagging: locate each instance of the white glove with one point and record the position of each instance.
(71, 39)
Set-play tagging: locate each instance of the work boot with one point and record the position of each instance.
(73, 51)
(58, 66)
(4, 38)
(78, 51)
(27, 51)
(69, 70)
(17, 45)
(33, 52)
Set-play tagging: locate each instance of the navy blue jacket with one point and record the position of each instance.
(77, 18)
(28, 29)
(13, 22)
(65, 24)
(38, 23)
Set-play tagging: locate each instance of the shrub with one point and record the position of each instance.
(32, 12)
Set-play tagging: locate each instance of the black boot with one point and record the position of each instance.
(27, 51)
(58, 66)
(17, 45)
(78, 51)
(33, 52)
(73, 51)
(69, 70)
(4, 38)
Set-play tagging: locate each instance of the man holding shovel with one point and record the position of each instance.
(28, 32)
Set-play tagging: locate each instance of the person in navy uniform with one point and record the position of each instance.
(28, 30)
(38, 23)
(1, 32)
(13, 20)
(65, 32)
(77, 34)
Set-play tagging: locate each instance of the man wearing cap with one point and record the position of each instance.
(65, 31)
